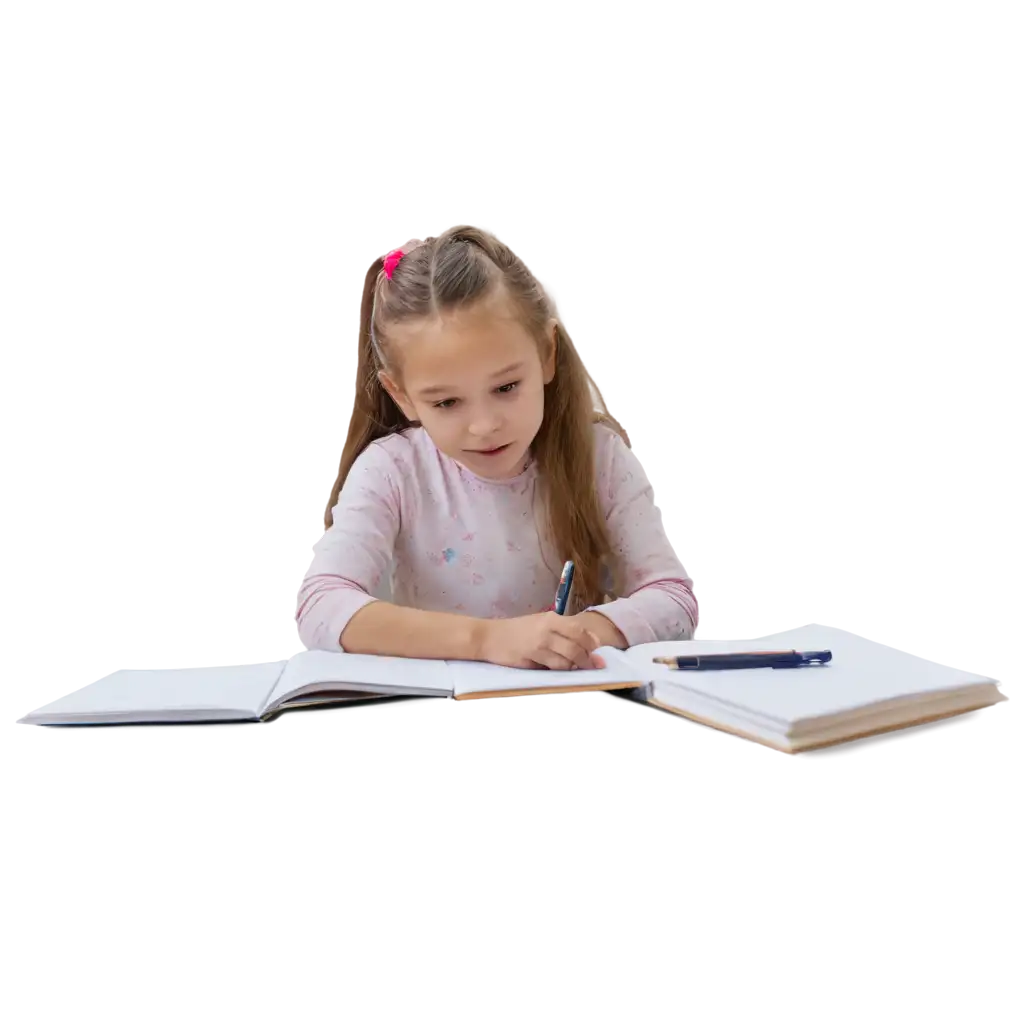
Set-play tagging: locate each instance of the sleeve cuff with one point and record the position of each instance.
(631, 624)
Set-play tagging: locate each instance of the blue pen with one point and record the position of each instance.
(747, 659)
(564, 586)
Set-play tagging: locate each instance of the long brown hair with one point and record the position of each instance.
(459, 268)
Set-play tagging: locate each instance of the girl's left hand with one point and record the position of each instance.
(606, 630)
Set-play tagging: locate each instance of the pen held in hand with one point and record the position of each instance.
(564, 586)
(746, 659)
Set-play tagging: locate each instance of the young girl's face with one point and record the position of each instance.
(475, 380)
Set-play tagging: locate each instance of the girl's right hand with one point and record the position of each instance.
(543, 640)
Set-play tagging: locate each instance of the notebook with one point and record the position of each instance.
(866, 688)
(259, 692)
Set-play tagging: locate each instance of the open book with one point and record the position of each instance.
(865, 688)
(258, 692)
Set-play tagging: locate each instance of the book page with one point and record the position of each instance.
(167, 694)
(993, 643)
(324, 671)
(479, 677)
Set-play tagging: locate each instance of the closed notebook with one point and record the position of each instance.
(866, 688)
(258, 692)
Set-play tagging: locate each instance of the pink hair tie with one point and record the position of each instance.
(391, 261)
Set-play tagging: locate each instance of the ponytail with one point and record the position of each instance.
(373, 413)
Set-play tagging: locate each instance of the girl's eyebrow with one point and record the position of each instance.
(438, 389)
(508, 370)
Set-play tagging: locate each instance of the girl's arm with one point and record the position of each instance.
(383, 628)
(336, 609)
(658, 602)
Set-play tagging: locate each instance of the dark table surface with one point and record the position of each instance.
(988, 735)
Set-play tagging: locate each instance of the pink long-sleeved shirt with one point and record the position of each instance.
(455, 542)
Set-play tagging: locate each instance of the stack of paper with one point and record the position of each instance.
(866, 688)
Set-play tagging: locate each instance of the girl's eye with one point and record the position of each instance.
(504, 389)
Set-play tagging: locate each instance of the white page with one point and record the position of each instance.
(994, 643)
(371, 673)
(862, 672)
(167, 694)
(483, 677)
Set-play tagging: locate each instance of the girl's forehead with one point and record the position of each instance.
(466, 343)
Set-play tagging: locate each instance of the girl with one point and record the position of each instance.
(475, 465)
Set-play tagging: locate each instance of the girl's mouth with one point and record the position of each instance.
(492, 451)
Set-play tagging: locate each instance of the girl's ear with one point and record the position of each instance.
(552, 351)
(398, 396)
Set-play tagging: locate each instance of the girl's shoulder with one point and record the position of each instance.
(617, 468)
(609, 444)
(605, 428)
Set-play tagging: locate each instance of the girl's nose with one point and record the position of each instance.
(484, 425)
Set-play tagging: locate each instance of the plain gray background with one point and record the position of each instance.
(786, 240)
